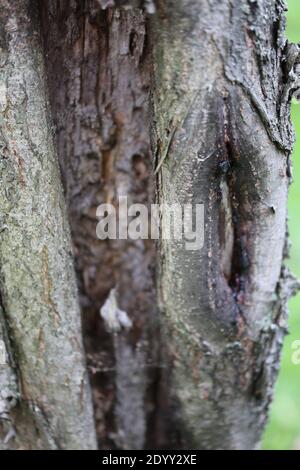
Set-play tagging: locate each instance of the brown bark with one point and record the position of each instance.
(221, 76)
(98, 71)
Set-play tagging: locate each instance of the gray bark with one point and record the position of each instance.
(45, 397)
(223, 78)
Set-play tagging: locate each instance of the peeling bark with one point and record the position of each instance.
(47, 393)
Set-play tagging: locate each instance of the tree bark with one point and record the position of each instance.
(101, 62)
(45, 397)
(195, 362)
(222, 89)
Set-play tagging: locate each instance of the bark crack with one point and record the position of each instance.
(234, 256)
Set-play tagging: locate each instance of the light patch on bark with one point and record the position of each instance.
(227, 248)
(115, 319)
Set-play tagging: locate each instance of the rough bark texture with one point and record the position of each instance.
(222, 78)
(99, 85)
(44, 398)
(222, 86)
(147, 5)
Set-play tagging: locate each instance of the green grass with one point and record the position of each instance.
(283, 430)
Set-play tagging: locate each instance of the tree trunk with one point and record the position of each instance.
(222, 91)
(45, 398)
(194, 364)
(100, 60)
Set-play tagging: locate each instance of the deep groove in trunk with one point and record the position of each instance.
(104, 150)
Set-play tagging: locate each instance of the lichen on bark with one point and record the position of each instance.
(37, 281)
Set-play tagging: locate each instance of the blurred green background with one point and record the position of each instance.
(283, 430)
